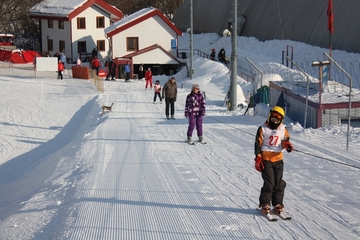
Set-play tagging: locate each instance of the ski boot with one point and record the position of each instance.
(265, 208)
(279, 208)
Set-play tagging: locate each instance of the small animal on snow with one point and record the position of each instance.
(107, 108)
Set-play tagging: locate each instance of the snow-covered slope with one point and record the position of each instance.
(68, 172)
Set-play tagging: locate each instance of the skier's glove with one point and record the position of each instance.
(186, 114)
(288, 146)
(259, 165)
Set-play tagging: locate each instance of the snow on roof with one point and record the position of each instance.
(129, 18)
(6, 35)
(56, 7)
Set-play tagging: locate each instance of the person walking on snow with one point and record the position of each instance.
(63, 58)
(212, 54)
(96, 64)
(60, 70)
(148, 78)
(141, 71)
(169, 91)
(111, 70)
(194, 111)
(127, 72)
(157, 91)
(78, 62)
(271, 139)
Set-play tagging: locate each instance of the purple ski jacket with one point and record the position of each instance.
(195, 104)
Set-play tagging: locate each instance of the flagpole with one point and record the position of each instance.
(330, 14)
(330, 50)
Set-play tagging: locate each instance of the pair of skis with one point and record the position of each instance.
(271, 215)
(193, 143)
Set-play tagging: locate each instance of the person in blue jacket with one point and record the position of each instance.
(127, 72)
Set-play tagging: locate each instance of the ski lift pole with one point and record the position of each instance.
(350, 88)
(233, 67)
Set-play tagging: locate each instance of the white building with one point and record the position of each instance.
(75, 27)
(147, 37)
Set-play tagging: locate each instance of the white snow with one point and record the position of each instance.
(68, 172)
(57, 7)
(128, 19)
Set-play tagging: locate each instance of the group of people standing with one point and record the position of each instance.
(169, 93)
(221, 56)
(111, 65)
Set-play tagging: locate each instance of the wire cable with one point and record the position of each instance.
(327, 159)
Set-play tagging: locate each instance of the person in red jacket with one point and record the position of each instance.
(96, 64)
(148, 78)
(60, 70)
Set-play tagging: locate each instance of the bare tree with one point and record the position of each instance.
(14, 13)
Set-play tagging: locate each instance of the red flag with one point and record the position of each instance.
(330, 14)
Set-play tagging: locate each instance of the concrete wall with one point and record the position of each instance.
(301, 20)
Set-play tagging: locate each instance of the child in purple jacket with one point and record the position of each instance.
(194, 111)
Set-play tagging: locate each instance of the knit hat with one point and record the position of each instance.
(195, 85)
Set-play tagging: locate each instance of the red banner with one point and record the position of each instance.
(330, 13)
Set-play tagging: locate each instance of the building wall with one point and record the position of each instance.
(295, 110)
(336, 116)
(91, 34)
(56, 35)
(151, 31)
(148, 58)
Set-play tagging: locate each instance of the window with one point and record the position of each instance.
(81, 47)
(50, 46)
(132, 44)
(62, 46)
(100, 22)
(50, 23)
(101, 45)
(81, 23)
(61, 24)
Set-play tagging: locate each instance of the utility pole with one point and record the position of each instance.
(191, 40)
(233, 83)
(320, 65)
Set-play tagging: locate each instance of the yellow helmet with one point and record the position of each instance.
(279, 110)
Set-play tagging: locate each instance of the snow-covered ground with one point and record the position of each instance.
(68, 172)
